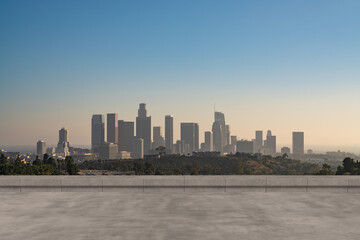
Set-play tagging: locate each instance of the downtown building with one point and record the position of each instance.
(138, 148)
(169, 133)
(108, 151)
(97, 132)
(112, 128)
(245, 146)
(125, 136)
(258, 142)
(298, 143)
(158, 139)
(270, 144)
(143, 127)
(40, 148)
(207, 146)
(218, 129)
(63, 144)
(190, 136)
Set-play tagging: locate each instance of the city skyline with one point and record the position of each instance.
(113, 116)
(104, 127)
(279, 65)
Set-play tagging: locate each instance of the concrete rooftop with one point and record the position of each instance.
(114, 215)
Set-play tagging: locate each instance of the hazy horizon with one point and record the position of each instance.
(318, 149)
(275, 65)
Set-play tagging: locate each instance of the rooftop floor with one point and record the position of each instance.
(252, 215)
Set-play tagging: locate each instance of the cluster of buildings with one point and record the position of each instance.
(127, 139)
(63, 148)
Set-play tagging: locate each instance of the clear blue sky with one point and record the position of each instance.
(282, 65)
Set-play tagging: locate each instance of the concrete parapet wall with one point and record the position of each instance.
(180, 184)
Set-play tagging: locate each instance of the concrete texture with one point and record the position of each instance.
(109, 215)
(180, 184)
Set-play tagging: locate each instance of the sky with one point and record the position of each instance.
(283, 65)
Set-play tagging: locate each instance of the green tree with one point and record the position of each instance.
(71, 167)
(45, 158)
(325, 170)
(37, 161)
(349, 167)
(3, 159)
(161, 150)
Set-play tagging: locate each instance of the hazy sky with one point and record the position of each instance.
(281, 65)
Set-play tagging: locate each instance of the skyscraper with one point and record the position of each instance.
(298, 143)
(158, 140)
(108, 151)
(112, 128)
(125, 135)
(40, 148)
(97, 132)
(270, 144)
(190, 135)
(245, 146)
(197, 137)
(143, 127)
(63, 144)
(227, 135)
(208, 144)
(258, 143)
(218, 129)
(169, 130)
(138, 148)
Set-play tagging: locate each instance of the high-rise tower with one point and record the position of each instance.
(126, 136)
(112, 128)
(190, 136)
(298, 143)
(63, 144)
(40, 148)
(158, 139)
(258, 143)
(169, 131)
(218, 129)
(143, 127)
(97, 132)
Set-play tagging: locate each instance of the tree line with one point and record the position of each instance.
(237, 164)
(45, 166)
(349, 167)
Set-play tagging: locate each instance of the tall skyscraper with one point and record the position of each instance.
(63, 144)
(190, 135)
(143, 127)
(270, 144)
(218, 129)
(158, 139)
(298, 143)
(40, 148)
(208, 144)
(258, 143)
(138, 148)
(169, 130)
(125, 135)
(97, 132)
(227, 135)
(112, 128)
(197, 143)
